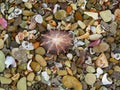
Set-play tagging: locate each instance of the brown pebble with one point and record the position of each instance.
(35, 66)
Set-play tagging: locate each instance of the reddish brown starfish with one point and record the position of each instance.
(56, 41)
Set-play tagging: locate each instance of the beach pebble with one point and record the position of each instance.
(102, 47)
(60, 14)
(28, 5)
(71, 82)
(5, 80)
(90, 69)
(90, 79)
(40, 50)
(62, 72)
(21, 85)
(70, 56)
(40, 60)
(81, 24)
(30, 76)
(1, 43)
(95, 36)
(35, 66)
(106, 15)
(2, 61)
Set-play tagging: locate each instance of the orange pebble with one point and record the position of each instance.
(36, 45)
(52, 23)
(69, 9)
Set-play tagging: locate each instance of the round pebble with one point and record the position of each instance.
(30, 76)
(90, 78)
(60, 14)
(90, 69)
(40, 50)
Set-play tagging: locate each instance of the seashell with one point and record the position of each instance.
(28, 46)
(38, 18)
(11, 16)
(45, 76)
(17, 39)
(102, 61)
(28, 66)
(105, 80)
(116, 56)
(95, 36)
(5, 37)
(10, 61)
(17, 11)
(70, 56)
(99, 72)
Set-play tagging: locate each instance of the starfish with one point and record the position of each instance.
(56, 41)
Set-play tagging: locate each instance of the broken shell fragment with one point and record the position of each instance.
(10, 61)
(105, 80)
(28, 66)
(94, 15)
(117, 56)
(99, 72)
(102, 61)
(84, 36)
(28, 46)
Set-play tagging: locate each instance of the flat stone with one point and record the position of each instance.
(2, 61)
(21, 85)
(90, 78)
(106, 15)
(5, 80)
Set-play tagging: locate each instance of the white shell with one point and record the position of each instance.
(81, 24)
(28, 66)
(25, 0)
(55, 8)
(117, 56)
(10, 61)
(17, 39)
(89, 60)
(105, 80)
(28, 46)
(11, 16)
(99, 72)
(70, 56)
(17, 11)
(38, 18)
(45, 76)
(5, 36)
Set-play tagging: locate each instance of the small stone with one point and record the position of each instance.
(71, 82)
(2, 89)
(35, 66)
(40, 50)
(40, 60)
(62, 72)
(38, 78)
(102, 47)
(30, 76)
(95, 36)
(5, 80)
(106, 15)
(27, 13)
(2, 61)
(90, 69)
(81, 24)
(117, 68)
(60, 14)
(28, 5)
(21, 85)
(1, 43)
(68, 63)
(70, 56)
(78, 16)
(90, 79)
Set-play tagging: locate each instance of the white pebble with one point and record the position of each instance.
(99, 72)
(92, 14)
